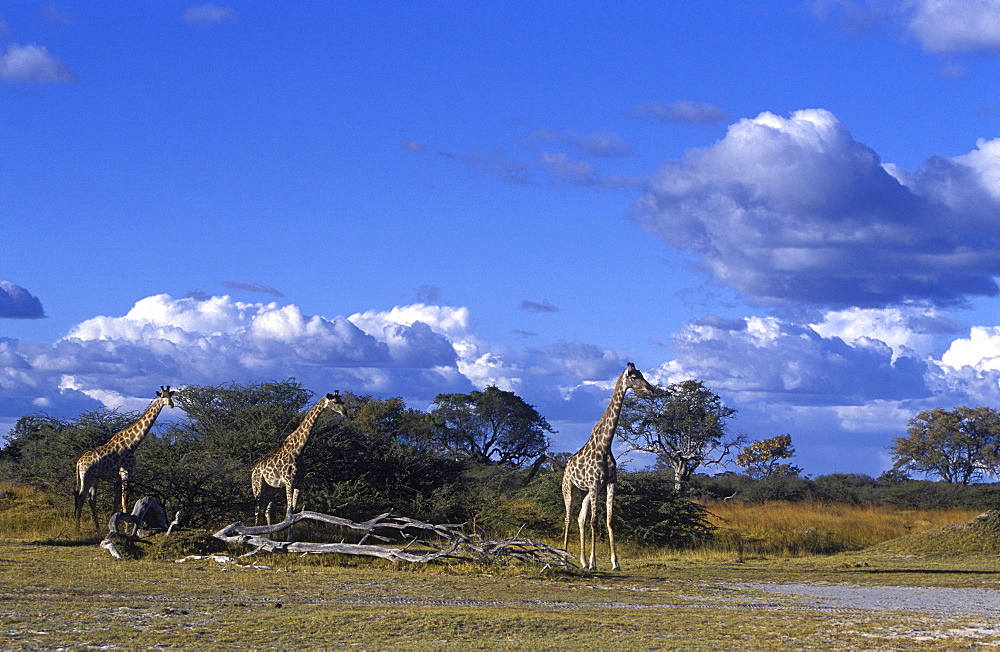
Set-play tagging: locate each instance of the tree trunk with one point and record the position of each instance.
(682, 473)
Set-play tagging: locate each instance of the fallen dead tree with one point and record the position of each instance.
(403, 539)
(147, 518)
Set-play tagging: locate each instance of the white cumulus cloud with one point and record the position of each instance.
(794, 210)
(414, 351)
(791, 362)
(33, 63)
(980, 351)
(944, 26)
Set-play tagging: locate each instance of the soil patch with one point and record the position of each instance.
(935, 600)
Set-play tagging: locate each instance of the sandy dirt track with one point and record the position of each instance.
(932, 600)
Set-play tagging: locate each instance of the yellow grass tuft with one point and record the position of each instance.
(804, 528)
(29, 514)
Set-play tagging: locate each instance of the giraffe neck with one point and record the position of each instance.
(604, 431)
(130, 437)
(296, 441)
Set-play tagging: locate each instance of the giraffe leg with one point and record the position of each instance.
(267, 507)
(93, 507)
(611, 529)
(291, 494)
(256, 488)
(585, 508)
(81, 498)
(593, 532)
(567, 492)
(124, 490)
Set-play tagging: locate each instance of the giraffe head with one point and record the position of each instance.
(166, 396)
(635, 381)
(336, 403)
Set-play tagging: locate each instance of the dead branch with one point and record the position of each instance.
(419, 542)
(147, 518)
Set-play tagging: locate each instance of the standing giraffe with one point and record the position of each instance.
(280, 468)
(116, 458)
(593, 468)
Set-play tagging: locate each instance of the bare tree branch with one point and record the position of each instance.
(427, 541)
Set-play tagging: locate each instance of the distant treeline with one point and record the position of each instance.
(891, 489)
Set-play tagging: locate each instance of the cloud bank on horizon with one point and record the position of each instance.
(858, 371)
(414, 351)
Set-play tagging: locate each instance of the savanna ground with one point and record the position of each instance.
(58, 589)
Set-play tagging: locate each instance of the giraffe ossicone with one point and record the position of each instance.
(115, 459)
(280, 469)
(593, 468)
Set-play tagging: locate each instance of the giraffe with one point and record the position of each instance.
(593, 468)
(280, 468)
(116, 458)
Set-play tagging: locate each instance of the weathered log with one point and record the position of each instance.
(393, 529)
(147, 518)
(433, 541)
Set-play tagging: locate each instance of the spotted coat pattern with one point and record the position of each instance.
(593, 468)
(115, 460)
(280, 469)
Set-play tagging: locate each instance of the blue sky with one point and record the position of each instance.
(795, 202)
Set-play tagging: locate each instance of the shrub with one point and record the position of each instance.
(922, 494)
(649, 511)
(721, 487)
(981, 496)
(847, 488)
(787, 488)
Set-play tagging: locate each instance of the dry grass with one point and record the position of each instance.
(76, 596)
(29, 514)
(979, 536)
(795, 529)
(778, 529)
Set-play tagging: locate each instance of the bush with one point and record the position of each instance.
(845, 488)
(649, 511)
(786, 488)
(720, 487)
(981, 496)
(922, 494)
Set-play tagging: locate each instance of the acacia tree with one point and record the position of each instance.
(762, 458)
(491, 425)
(244, 422)
(683, 424)
(958, 445)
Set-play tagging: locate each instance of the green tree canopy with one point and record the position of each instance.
(957, 445)
(491, 425)
(683, 424)
(241, 421)
(762, 458)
